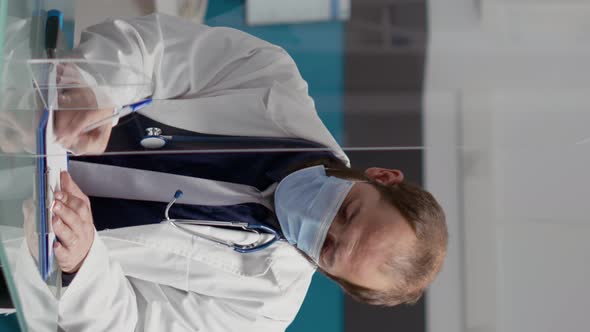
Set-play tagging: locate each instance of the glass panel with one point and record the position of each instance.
(483, 104)
(87, 85)
(33, 296)
(5, 267)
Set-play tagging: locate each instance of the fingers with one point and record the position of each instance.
(64, 100)
(62, 123)
(60, 253)
(93, 142)
(65, 257)
(68, 185)
(67, 222)
(79, 107)
(71, 207)
(73, 119)
(73, 204)
(60, 71)
(72, 225)
(68, 72)
(63, 126)
(78, 98)
(63, 232)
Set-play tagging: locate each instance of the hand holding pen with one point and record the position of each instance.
(83, 124)
(119, 112)
(77, 108)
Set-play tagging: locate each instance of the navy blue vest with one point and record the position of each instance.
(256, 169)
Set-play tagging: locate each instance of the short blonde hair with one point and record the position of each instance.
(412, 270)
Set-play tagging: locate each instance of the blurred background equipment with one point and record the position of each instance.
(286, 11)
(193, 10)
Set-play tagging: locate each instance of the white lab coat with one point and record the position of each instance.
(154, 277)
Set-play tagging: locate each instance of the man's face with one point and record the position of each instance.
(363, 235)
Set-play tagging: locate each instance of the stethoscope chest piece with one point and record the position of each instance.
(153, 139)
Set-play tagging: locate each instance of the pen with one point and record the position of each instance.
(119, 112)
(52, 27)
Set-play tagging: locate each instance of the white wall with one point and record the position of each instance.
(517, 214)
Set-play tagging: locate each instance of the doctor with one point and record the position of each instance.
(381, 239)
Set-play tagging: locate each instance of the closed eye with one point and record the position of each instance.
(352, 210)
(343, 213)
(328, 250)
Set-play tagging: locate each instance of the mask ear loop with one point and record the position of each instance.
(311, 261)
(336, 170)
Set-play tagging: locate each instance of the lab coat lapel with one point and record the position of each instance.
(245, 113)
(217, 115)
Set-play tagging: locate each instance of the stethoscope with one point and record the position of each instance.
(153, 138)
(259, 244)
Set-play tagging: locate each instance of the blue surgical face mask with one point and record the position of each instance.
(306, 203)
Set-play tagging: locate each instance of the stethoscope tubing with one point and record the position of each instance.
(241, 248)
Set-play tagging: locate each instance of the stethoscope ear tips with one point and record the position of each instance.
(178, 194)
(153, 138)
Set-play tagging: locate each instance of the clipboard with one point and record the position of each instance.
(51, 157)
(51, 161)
(45, 255)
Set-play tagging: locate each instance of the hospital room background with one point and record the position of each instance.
(483, 102)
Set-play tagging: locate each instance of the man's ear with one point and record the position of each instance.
(385, 176)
